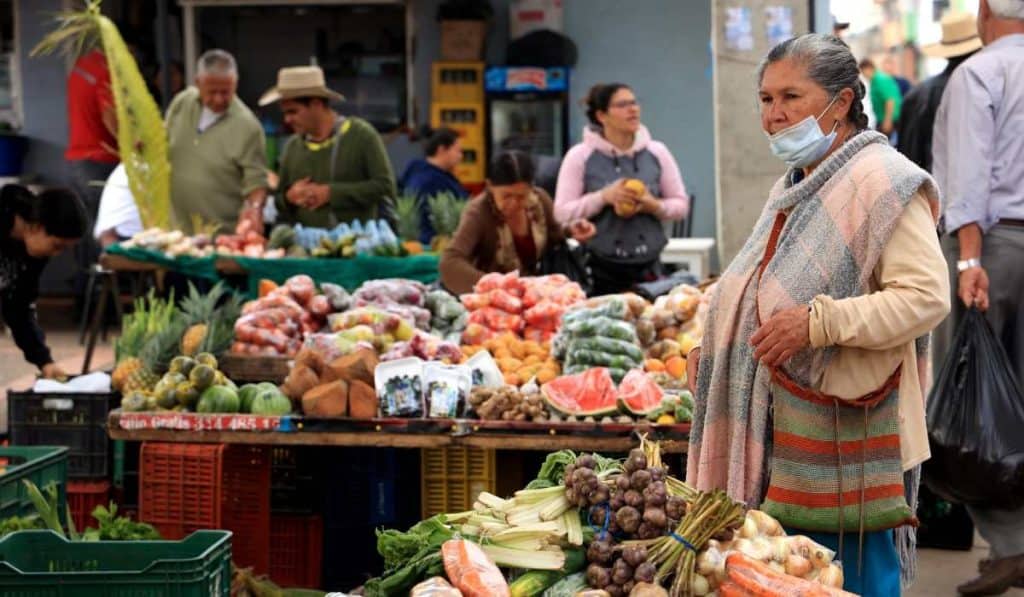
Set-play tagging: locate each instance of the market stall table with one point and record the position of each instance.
(390, 433)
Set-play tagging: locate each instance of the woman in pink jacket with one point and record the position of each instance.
(600, 180)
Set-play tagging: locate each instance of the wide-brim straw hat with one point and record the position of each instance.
(299, 81)
(959, 37)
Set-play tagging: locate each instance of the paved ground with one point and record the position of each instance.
(939, 571)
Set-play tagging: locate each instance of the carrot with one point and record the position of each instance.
(471, 571)
(760, 580)
(731, 589)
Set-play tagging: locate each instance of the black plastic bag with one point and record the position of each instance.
(976, 423)
(560, 258)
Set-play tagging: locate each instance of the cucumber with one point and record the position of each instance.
(536, 582)
(568, 586)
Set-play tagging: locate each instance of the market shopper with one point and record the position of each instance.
(92, 147)
(886, 99)
(217, 152)
(32, 230)
(597, 181)
(959, 42)
(507, 228)
(822, 320)
(978, 159)
(334, 168)
(434, 174)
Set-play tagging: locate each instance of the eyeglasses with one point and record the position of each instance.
(625, 104)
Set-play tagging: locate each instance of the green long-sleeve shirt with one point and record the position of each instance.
(360, 180)
(214, 171)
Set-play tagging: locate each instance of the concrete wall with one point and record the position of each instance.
(745, 167)
(44, 110)
(661, 49)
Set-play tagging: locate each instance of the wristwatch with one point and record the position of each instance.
(966, 264)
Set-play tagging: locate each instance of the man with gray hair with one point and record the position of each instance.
(978, 161)
(217, 152)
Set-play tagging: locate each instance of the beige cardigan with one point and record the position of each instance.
(876, 331)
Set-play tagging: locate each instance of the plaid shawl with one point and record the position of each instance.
(839, 221)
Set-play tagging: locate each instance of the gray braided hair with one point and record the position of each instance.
(830, 64)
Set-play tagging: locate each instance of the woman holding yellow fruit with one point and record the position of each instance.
(627, 184)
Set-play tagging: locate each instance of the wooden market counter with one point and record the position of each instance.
(391, 433)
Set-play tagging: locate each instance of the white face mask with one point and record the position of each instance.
(803, 143)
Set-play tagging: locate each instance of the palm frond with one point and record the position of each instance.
(141, 137)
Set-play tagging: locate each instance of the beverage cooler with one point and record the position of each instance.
(528, 110)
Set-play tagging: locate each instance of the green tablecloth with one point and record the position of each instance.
(198, 267)
(350, 273)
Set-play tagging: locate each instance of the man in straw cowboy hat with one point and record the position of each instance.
(960, 41)
(334, 168)
(978, 161)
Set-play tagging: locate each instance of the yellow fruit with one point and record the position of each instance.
(666, 419)
(512, 379)
(193, 337)
(636, 186)
(654, 365)
(624, 209)
(686, 343)
(546, 374)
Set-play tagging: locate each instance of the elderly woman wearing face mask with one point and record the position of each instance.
(810, 377)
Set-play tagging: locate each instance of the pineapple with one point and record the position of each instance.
(407, 214)
(445, 213)
(200, 312)
(154, 358)
(150, 315)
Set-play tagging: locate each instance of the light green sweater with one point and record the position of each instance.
(362, 178)
(213, 172)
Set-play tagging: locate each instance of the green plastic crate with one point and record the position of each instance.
(40, 464)
(42, 563)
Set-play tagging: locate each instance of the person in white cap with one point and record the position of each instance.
(334, 168)
(978, 160)
(959, 42)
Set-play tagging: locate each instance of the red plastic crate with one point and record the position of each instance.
(296, 548)
(188, 487)
(83, 497)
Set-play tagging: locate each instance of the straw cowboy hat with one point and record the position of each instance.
(299, 81)
(959, 37)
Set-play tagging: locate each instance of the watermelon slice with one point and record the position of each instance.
(590, 393)
(639, 394)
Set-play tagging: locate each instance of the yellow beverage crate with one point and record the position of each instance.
(457, 82)
(451, 478)
(466, 118)
(473, 167)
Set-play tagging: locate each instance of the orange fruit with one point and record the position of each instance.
(654, 365)
(546, 374)
(676, 367)
(512, 379)
(266, 287)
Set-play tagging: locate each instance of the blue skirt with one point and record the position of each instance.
(879, 575)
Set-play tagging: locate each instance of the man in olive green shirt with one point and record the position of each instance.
(217, 152)
(334, 169)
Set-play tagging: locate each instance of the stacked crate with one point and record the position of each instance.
(457, 102)
(75, 420)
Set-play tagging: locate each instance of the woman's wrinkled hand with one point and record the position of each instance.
(782, 336)
(582, 230)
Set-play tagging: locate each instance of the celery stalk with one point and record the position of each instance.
(529, 560)
(555, 508)
(574, 527)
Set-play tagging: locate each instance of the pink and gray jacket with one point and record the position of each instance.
(593, 164)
